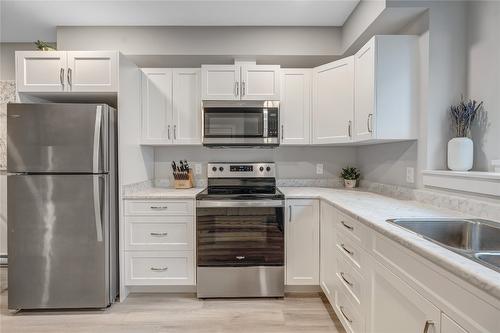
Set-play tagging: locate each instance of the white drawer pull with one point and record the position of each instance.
(347, 225)
(159, 234)
(343, 313)
(159, 207)
(346, 250)
(159, 269)
(342, 275)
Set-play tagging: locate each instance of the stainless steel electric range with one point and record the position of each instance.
(240, 232)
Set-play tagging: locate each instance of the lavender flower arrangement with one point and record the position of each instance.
(463, 116)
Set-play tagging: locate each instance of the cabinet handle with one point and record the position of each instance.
(159, 234)
(343, 313)
(349, 128)
(369, 122)
(168, 132)
(345, 280)
(236, 88)
(428, 324)
(159, 269)
(70, 77)
(61, 77)
(347, 225)
(175, 132)
(282, 132)
(240, 257)
(290, 213)
(243, 89)
(346, 250)
(159, 207)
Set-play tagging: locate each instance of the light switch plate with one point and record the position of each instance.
(410, 175)
(197, 169)
(319, 169)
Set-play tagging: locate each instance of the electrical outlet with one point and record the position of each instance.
(197, 169)
(410, 175)
(319, 169)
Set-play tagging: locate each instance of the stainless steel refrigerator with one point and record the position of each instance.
(61, 206)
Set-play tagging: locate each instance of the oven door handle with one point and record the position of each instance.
(239, 203)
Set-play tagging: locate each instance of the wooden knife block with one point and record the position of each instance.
(184, 183)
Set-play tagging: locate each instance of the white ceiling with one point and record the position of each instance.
(26, 21)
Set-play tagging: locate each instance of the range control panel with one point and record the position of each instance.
(241, 170)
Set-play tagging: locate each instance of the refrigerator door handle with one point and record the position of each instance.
(97, 138)
(97, 207)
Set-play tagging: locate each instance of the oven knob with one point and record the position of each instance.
(214, 169)
(261, 169)
(268, 169)
(221, 169)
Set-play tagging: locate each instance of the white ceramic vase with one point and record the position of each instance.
(460, 154)
(350, 183)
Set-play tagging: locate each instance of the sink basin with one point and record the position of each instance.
(476, 239)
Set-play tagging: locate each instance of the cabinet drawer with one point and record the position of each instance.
(350, 278)
(354, 228)
(350, 250)
(348, 313)
(159, 207)
(159, 268)
(159, 233)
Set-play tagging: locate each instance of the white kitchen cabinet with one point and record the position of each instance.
(333, 102)
(448, 325)
(302, 242)
(92, 71)
(386, 89)
(327, 279)
(295, 106)
(186, 106)
(240, 82)
(71, 71)
(171, 107)
(396, 307)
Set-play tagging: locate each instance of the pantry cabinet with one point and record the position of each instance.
(171, 106)
(295, 106)
(66, 71)
(240, 82)
(386, 88)
(302, 242)
(333, 102)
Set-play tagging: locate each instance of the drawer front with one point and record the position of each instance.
(354, 228)
(351, 250)
(350, 278)
(159, 233)
(348, 313)
(159, 268)
(159, 207)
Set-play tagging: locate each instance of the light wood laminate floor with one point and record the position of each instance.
(155, 313)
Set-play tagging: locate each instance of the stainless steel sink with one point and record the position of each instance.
(476, 239)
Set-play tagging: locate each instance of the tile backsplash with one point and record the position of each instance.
(7, 94)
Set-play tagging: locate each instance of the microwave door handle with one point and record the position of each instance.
(265, 116)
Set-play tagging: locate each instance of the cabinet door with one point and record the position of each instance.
(396, 307)
(333, 107)
(302, 242)
(40, 71)
(327, 251)
(448, 325)
(92, 71)
(186, 106)
(364, 83)
(156, 106)
(295, 106)
(260, 82)
(220, 82)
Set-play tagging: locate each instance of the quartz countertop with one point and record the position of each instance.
(374, 209)
(162, 193)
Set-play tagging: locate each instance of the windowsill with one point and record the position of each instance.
(486, 183)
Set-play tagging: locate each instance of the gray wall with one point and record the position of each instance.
(8, 60)
(483, 76)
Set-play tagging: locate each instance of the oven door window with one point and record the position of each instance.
(231, 123)
(240, 236)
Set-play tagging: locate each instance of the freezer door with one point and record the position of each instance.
(62, 138)
(58, 241)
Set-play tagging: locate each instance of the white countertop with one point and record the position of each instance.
(373, 210)
(163, 193)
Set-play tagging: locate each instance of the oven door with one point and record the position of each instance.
(240, 233)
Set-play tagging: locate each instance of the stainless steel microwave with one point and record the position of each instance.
(241, 123)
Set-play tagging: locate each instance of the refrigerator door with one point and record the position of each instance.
(57, 138)
(58, 241)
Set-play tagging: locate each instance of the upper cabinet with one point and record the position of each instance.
(333, 102)
(295, 106)
(386, 89)
(240, 82)
(171, 106)
(71, 71)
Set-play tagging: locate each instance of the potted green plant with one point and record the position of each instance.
(350, 176)
(461, 147)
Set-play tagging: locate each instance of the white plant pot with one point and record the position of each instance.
(460, 154)
(350, 183)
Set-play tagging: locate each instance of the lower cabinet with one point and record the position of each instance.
(327, 242)
(302, 242)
